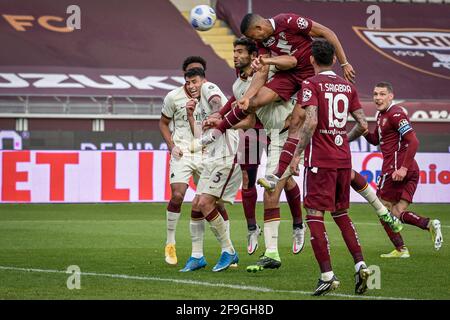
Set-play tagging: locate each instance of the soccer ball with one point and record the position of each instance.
(202, 17)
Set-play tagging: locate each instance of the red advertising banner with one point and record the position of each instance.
(142, 176)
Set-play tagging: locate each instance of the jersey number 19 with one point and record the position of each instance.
(336, 118)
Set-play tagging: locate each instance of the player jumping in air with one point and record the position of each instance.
(288, 35)
(275, 119)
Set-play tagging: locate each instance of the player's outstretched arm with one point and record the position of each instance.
(283, 62)
(318, 30)
(361, 125)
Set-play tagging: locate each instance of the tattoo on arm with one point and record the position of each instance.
(360, 127)
(308, 128)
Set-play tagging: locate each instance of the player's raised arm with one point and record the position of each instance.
(195, 128)
(318, 30)
(258, 81)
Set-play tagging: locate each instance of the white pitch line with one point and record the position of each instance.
(201, 283)
(360, 223)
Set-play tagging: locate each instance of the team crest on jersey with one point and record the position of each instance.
(269, 42)
(384, 122)
(420, 49)
(283, 35)
(302, 23)
(307, 94)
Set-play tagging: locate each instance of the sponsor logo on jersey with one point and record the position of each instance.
(307, 94)
(423, 50)
(302, 23)
(338, 140)
(211, 87)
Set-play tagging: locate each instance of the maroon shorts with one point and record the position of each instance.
(286, 83)
(327, 189)
(394, 191)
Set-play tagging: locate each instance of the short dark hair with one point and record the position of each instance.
(385, 84)
(323, 52)
(248, 43)
(194, 59)
(194, 72)
(248, 20)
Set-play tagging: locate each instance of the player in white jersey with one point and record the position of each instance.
(220, 178)
(177, 133)
(275, 118)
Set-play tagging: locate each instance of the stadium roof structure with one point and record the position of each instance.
(122, 49)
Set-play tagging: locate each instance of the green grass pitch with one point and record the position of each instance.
(120, 251)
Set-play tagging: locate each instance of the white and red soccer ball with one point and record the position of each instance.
(202, 17)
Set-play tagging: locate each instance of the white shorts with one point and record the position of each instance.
(220, 178)
(182, 169)
(274, 152)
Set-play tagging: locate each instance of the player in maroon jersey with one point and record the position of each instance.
(327, 100)
(283, 35)
(400, 172)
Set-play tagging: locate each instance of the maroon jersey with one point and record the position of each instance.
(334, 98)
(290, 37)
(392, 125)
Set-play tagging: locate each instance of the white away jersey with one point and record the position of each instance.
(227, 144)
(174, 108)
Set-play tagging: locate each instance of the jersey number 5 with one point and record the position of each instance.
(337, 118)
(218, 176)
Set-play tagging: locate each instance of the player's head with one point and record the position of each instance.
(383, 94)
(322, 54)
(194, 62)
(194, 78)
(244, 51)
(256, 27)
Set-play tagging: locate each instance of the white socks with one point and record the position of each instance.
(172, 221)
(220, 230)
(197, 228)
(327, 276)
(271, 236)
(359, 264)
(372, 198)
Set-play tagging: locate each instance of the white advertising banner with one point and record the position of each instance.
(142, 176)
